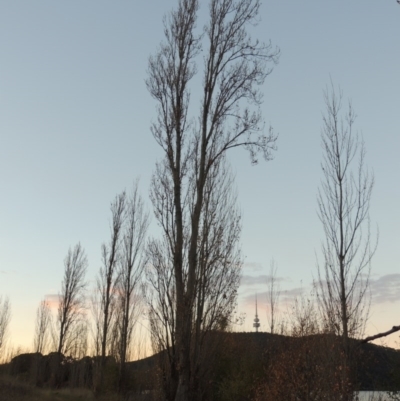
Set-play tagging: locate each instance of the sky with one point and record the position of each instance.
(75, 120)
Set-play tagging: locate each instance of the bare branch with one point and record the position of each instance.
(394, 329)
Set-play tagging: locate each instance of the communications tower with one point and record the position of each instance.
(256, 323)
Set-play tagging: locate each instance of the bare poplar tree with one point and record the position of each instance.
(96, 326)
(273, 294)
(343, 208)
(42, 327)
(104, 304)
(130, 271)
(161, 301)
(79, 340)
(108, 277)
(218, 271)
(229, 116)
(217, 281)
(71, 308)
(5, 317)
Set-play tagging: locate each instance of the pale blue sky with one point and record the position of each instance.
(74, 130)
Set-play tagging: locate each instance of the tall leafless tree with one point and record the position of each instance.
(273, 294)
(218, 271)
(217, 280)
(79, 343)
(71, 308)
(108, 275)
(130, 271)
(343, 208)
(96, 321)
(42, 327)
(229, 117)
(5, 317)
(161, 302)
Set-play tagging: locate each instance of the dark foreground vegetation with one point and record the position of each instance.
(246, 366)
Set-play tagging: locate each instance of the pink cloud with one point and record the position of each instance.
(53, 300)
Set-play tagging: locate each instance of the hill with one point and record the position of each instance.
(240, 366)
(377, 368)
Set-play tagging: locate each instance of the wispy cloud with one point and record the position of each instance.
(249, 300)
(285, 297)
(262, 279)
(8, 272)
(248, 280)
(385, 288)
(288, 296)
(252, 266)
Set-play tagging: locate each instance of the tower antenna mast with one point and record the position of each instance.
(256, 323)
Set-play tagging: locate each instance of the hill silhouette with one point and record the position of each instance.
(241, 364)
(377, 367)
